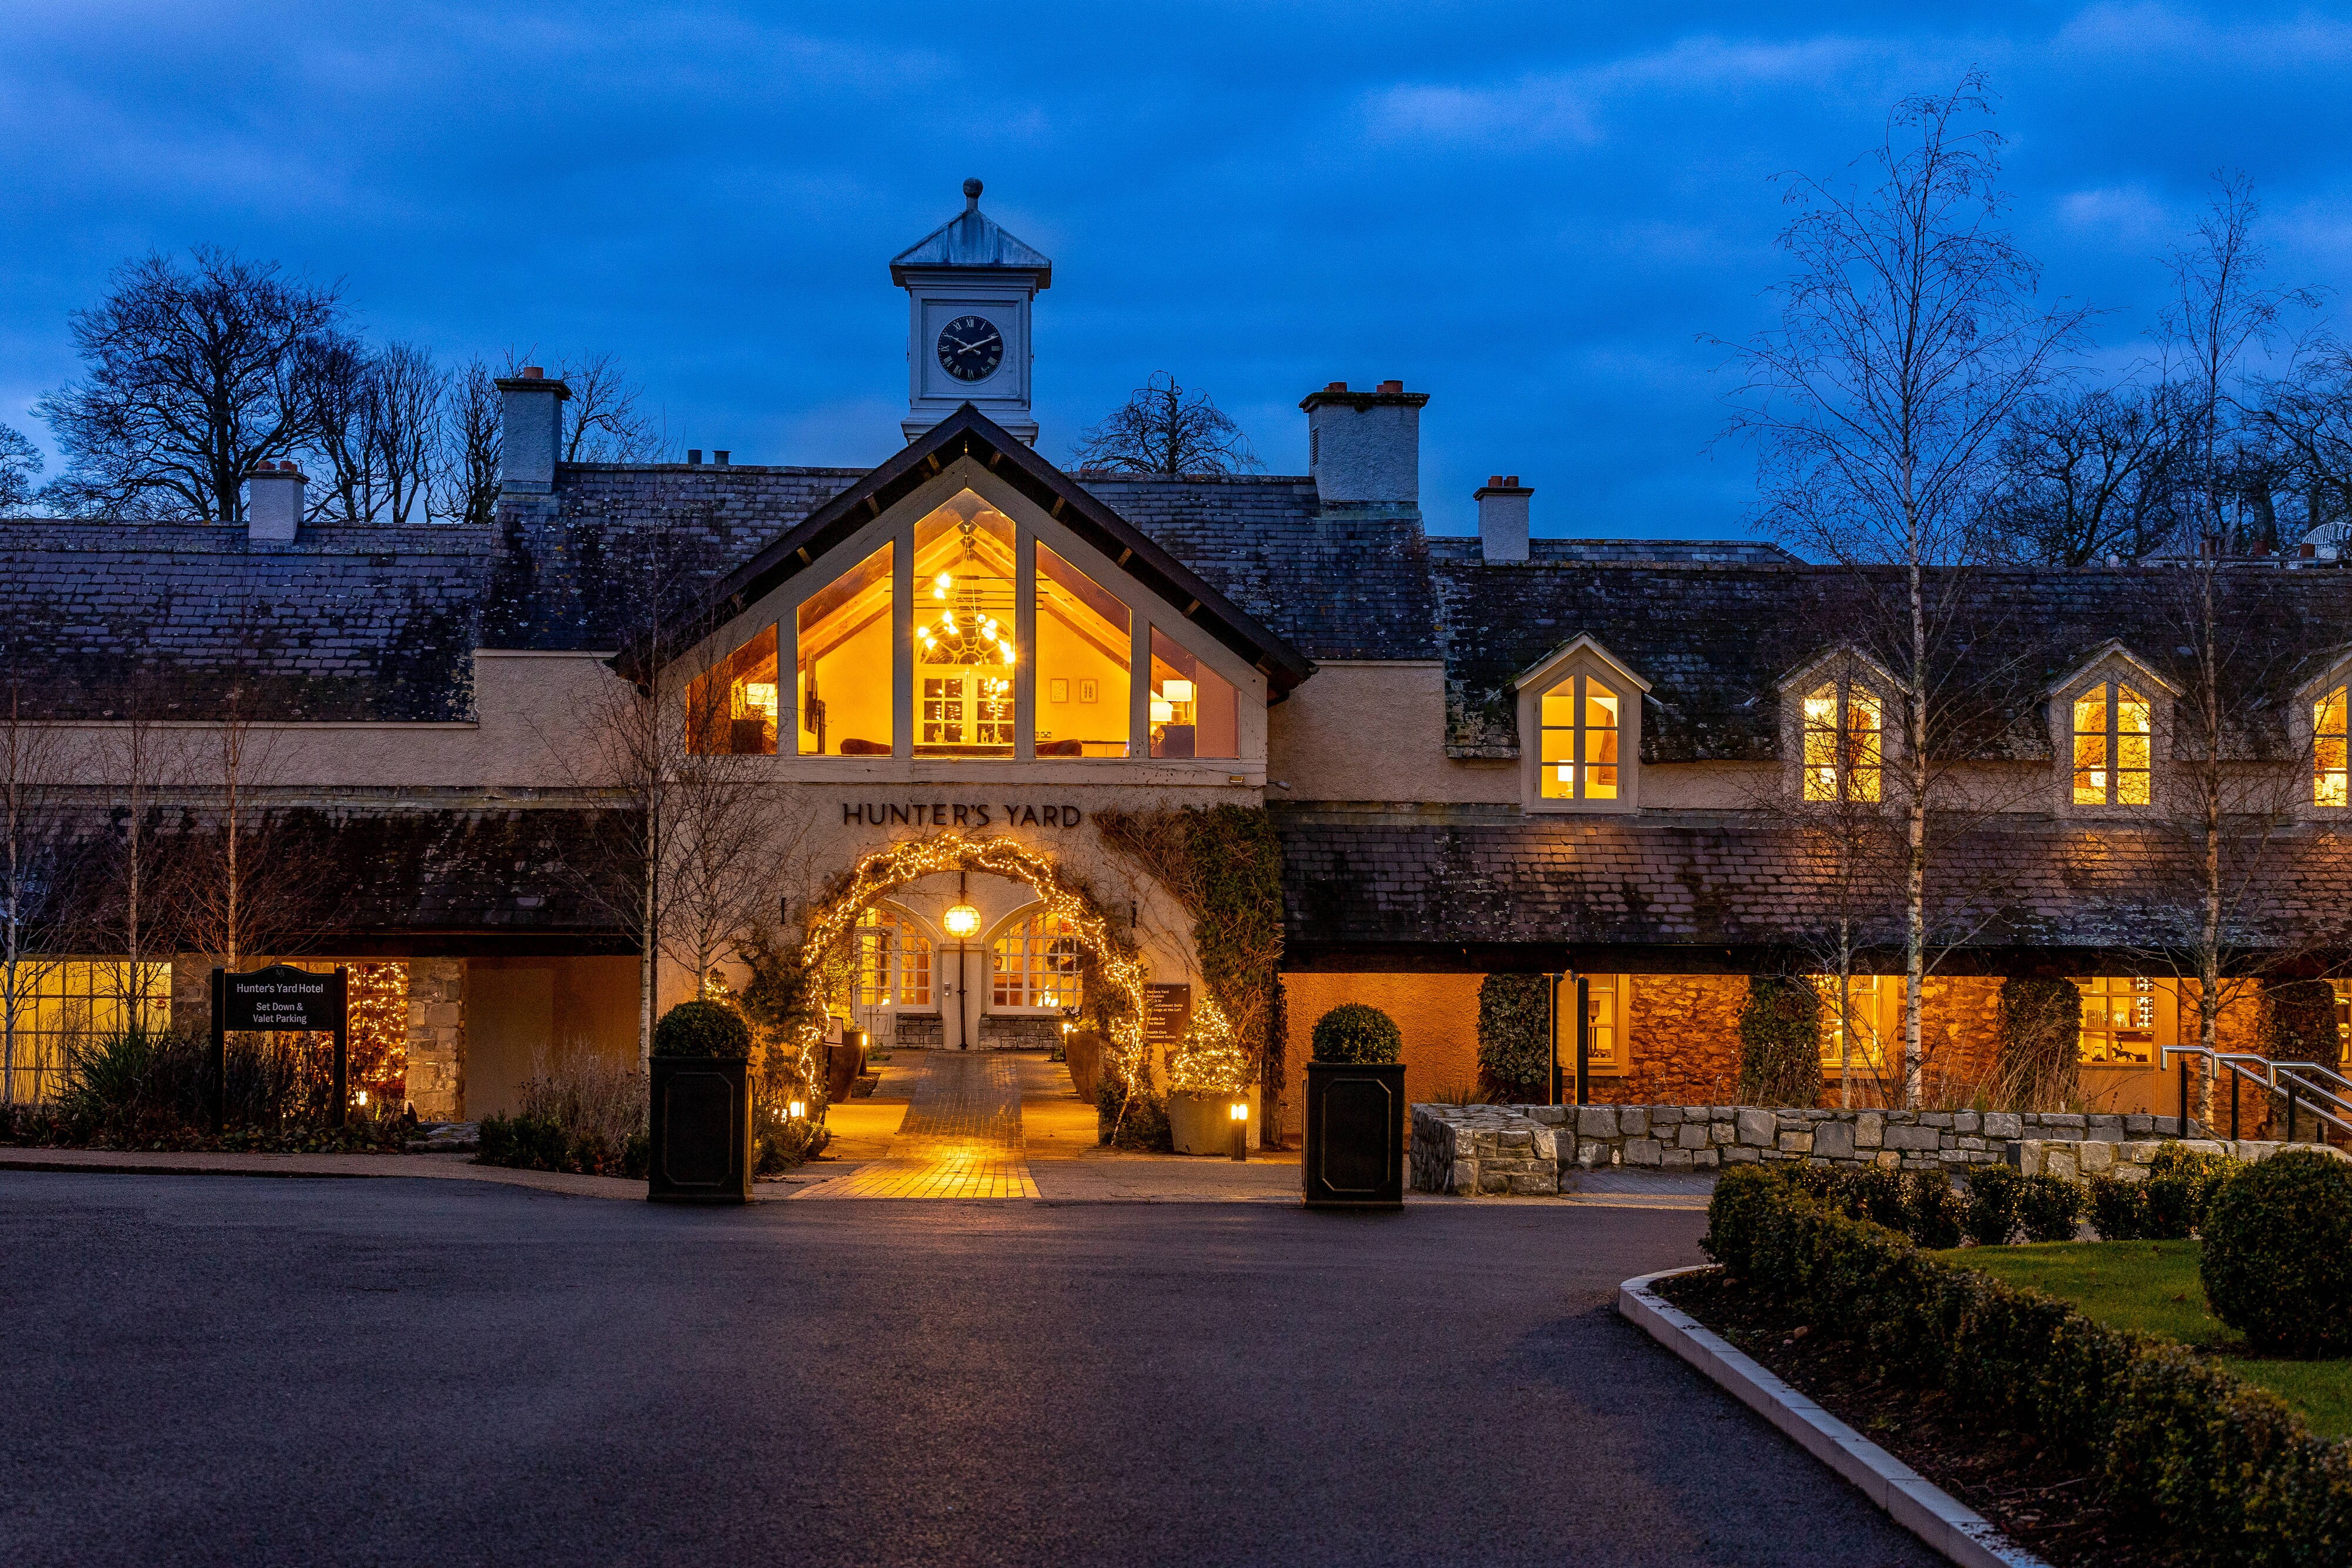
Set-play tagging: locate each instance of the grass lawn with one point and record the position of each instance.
(2152, 1287)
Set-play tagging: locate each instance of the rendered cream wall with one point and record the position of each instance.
(1366, 731)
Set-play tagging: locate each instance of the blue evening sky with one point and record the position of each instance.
(1532, 212)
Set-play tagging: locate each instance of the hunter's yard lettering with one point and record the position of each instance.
(943, 814)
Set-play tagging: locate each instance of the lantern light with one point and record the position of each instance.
(797, 1110)
(364, 1098)
(962, 920)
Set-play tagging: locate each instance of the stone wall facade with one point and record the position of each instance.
(2129, 1160)
(1483, 1150)
(436, 1038)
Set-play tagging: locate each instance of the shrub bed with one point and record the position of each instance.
(2228, 1470)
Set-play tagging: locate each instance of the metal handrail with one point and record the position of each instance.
(2297, 1081)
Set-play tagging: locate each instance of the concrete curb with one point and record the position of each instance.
(1928, 1511)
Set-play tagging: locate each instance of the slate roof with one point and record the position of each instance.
(972, 238)
(1467, 893)
(1715, 641)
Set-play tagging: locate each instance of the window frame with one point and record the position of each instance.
(1148, 612)
(1016, 927)
(2303, 732)
(2113, 667)
(1580, 656)
(2164, 1023)
(2112, 693)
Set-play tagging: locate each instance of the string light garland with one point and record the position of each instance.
(886, 870)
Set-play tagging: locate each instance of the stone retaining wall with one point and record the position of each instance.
(2129, 1159)
(1503, 1148)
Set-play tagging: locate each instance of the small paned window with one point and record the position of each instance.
(2328, 778)
(65, 999)
(1579, 724)
(2119, 1020)
(894, 961)
(1844, 744)
(2113, 732)
(1605, 1019)
(1036, 964)
(731, 708)
(1870, 999)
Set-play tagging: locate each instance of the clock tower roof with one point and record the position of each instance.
(972, 239)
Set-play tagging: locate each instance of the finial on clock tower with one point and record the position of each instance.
(970, 286)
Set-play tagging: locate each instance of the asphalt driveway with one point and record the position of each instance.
(248, 1371)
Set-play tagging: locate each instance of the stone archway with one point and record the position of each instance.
(835, 912)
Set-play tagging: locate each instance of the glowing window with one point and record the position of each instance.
(2327, 751)
(963, 630)
(845, 663)
(1195, 712)
(1580, 726)
(69, 998)
(894, 961)
(731, 708)
(1036, 964)
(2119, 1020)
(2112, 740)
(1085, 646)
(1605, 1037)
(1844, 744)
(1870, 999)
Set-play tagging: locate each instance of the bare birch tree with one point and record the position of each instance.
(141, 764)
(1908, 337)
(32, 879)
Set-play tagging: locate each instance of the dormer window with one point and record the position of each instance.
(1580, 715)
(1844, 743)
(1579, 740)
(2328, 755)
(2114, 734)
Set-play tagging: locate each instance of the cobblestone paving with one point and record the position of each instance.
(961, 1137)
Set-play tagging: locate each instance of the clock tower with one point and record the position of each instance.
(969, 287)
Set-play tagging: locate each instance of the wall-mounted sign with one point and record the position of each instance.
(969, 814)
(1166, 1014)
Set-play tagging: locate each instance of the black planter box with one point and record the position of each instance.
(1355, 1135)
(701, 1130)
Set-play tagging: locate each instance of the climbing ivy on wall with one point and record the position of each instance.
(1514, 1036)
(1223, 864)
(2040, 1043)
(1781, 1042)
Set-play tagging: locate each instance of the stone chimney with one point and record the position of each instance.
(273, 504)
(1365, 448)
(1503, 517)
(531, 431)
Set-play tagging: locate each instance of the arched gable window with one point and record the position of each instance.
(894, 961)
(1036, 964)
(2114, 729)
(1579, 724)
(1844, 743)
(2328, 754)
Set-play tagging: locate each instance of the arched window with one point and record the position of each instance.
(2112, 730)
(2328, 778)
(894, 961)
(1036, 964)
(1579, 740)
(1844, 744)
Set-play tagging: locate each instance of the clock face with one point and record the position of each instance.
(970, 348)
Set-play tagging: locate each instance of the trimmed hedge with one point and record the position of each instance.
(1781, 1042)
(1513, 1040)
(2227, 1470)
(702, 1028)
(2277, 1262)
(1354, 1032)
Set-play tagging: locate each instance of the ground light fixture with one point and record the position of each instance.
(1239, 1112)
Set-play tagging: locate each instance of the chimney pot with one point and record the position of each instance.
(2310, 550)
(718, 456)
(1512, 480)
(693, 455)
(1493, 481)
(534, 372)
(1392, 386)
(1334, 386)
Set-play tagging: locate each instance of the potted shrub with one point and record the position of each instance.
(701, 1126)
(1355, 1111)
(1204, 1079)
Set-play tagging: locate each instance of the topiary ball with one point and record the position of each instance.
(1354, 1032)
(702, 1028)
(2277, 1265)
